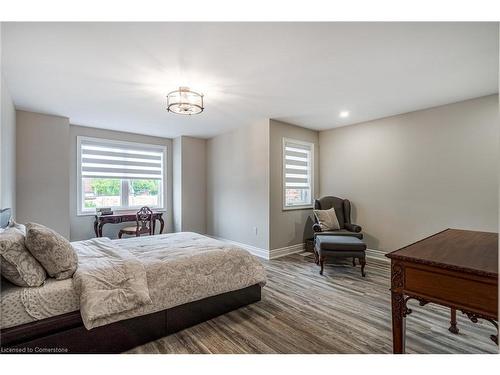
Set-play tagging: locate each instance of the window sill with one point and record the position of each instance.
(295, 208)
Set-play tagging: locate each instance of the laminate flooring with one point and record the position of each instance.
(339, 312)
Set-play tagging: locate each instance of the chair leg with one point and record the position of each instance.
(354, 262)
(316, 258)
(322, 264)
(362, 261)
(120, 234)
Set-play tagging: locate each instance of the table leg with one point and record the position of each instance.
(100, 230)
(398, 323)
(453, 322)
(162, 225)
(96, 222)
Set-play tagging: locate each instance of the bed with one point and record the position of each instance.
(191, 278)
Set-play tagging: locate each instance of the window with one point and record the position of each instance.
(297, 174)
(120, 175)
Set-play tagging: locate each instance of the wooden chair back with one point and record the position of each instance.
(144, 219)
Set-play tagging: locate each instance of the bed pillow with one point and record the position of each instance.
(16, 263)
(327, 219)
(53, 251)
(20, 227)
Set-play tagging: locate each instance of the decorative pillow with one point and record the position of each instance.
(327, 219)
(16, 263)
(53, 251)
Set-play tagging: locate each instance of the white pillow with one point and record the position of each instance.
(19, 227)
(327, 219)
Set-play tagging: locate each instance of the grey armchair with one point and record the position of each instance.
(343, 211)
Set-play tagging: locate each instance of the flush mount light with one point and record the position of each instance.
(185, 102)
(344, 114)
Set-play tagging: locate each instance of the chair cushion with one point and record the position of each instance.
(129, 229)
(339, 243)
(341, 232)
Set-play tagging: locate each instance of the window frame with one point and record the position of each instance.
(283, 175)
(81, 211)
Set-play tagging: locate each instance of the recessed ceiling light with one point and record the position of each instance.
(344, 114)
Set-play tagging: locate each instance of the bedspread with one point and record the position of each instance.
(121, 279)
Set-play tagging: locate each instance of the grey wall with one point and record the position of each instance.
(177, 183)
(7, 150)
(412, 175)
(189, 184)
(42, 170)
(81, 226)
(238, 185)
(288, 227)
(194, 186)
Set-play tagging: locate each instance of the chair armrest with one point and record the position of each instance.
(316, 228)
(352, 227)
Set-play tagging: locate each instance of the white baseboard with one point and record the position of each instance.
(377, 254)
(284, 251)
(261, 253)
(264, 253)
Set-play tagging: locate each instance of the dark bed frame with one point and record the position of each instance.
(67, 334)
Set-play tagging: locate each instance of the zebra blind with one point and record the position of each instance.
(297, 176)
(100, 158)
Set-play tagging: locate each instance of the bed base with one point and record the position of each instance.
(66, 333)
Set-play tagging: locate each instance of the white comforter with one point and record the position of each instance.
(121, 279)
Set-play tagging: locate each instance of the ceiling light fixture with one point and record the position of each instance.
(185, 102)
(344, 114)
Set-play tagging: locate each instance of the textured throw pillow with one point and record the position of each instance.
(327, 219)
(53, 251)
(16, 263)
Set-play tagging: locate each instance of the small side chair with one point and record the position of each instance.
(144, 224)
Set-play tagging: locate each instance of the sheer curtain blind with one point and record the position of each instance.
(110, 159)
(297, 162)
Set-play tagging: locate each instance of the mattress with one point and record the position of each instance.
(20, 305)
(176, 262)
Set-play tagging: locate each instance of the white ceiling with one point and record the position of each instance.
(116, 75)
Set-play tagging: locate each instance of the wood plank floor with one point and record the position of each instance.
(340, 312)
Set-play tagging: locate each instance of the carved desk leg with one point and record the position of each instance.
(99, 234)
(398, 323)
(398, 309)
(453, 322)
(162, 224)
(96, 222)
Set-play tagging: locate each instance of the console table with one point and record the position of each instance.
(453, 268)
(122, 217)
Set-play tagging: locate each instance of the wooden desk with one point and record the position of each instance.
(122, 217)
(453, 268)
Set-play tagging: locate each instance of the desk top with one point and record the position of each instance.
(462, 250)
(125, 213)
